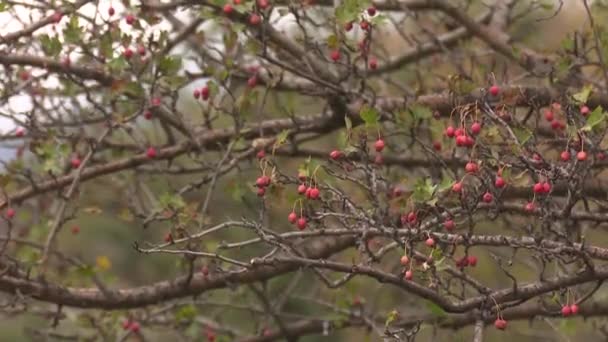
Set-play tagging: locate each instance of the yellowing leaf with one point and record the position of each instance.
(103, 262)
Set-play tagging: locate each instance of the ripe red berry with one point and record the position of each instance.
(472, 260)
(301, 223)
(373, 63)
(371, 11)
(314, 193)
(263, 4)
(487, 197)
(530, 207)
(409, 275)
(252, 82)
(379, 145)
(404, 260)
(75, 230)
(574, 309)
(261, 154)
(141, 50)
(601, 155)
(430, 242)
(262, 181)
(10, 213)
(565, 156)
(335, 154)
(449, 132)
(228, 9)
(255, 19)
(151, 152)
(111, 11)
(499, 182)
(75, 162)
(307, 192)
(494, 90)
(585, 110)
(57, 16)
(364, 25)
(458, 132)
(261, 192)
(24, 75)
(500, 324)
(19, 132)
(155, 102)
(302, 189)
(335, 55)
(437, 146)
(130, 19)
(549, 116)
(566, 311)
(128, 53)
(449, 225)
(457, 187)
(461, 140)
(556, 125)
(581, 156)
(196, 93)
(205, 92)
(475, 128)
(412, 217)
(348, 26)
(538, 188)
(471, 167)
(292, 217)
(546, 187)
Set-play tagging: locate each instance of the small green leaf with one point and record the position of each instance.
(117, 65)
(171, 201)
(435, 309)
(50, 46)
(446, 184)
(169, 65)
(186, 313)
(391, 317)
(421, 112)
(369, 116)
(423, 190)
(582, 96)
(72, 33)
(595, 118)
(522, 134)
(281, 138)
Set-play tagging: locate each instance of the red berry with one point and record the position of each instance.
(585, 110)
(449, 225)
(581, 156)
(126, 324)
(364, 25)
(412, 217)
(302, 176)
(141, 50)
(24, 75)
(151, 152)
(457, 187)
(57, 16)
(148, 115)
(205, 92)
(500, 324)
(307, 192)
(168, 238)
(75, 230)
(263, 4)
(10, 213)
(430, 242)
(373, 63)
(111, 11)
(128, 53)
(255, 19)
(566, 310)
(261, 192)
(155, 102)
(314, 193)
(404, 260)
(228, 9)
(130, 19)
(379, 145)
(75, 162)
(292, 217)
(134, 327)
(601, 155)
(475, 128)
(262, 181)
(437, 146)
(556, 125)
(261, 154)
(499, 182)
(335, 55)
(471, 167)
(252, 81)
(301, 189)
(546, 187)
(574, 309)
(449, 132)
(196, 94)
(458, 132)
(487, 197)
(472, 260)
(461, 140)
(348, 26)
(538, 188)
(409, 275)
(335, 154)
(301, 223)
(530, 207)
(565, 156)
(371, 11)
(494, 90)
(549, 116)
(19, 132)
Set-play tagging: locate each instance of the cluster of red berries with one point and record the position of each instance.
(541, 188)
(299, 222)
(210, 335)
(465, 261)
(500, 324)
(569, 310)
(409, 274)
(202, 93)
(262, 183)
(410, 218)
(131, 325)
(460, 134)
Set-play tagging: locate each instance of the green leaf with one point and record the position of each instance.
(3, 6)
(582, 96)
(169, 65)
(369, 116)
(423, 190)
(133, 88)
(421, 112)
(435, 309)
(391, 317)
(186, 313)
(446, 184)
(117, 65)
(522, 134)
(105, 45)
(72, 33)
(50, 46)
(171, 201)
(595, 118)
(281, 138)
